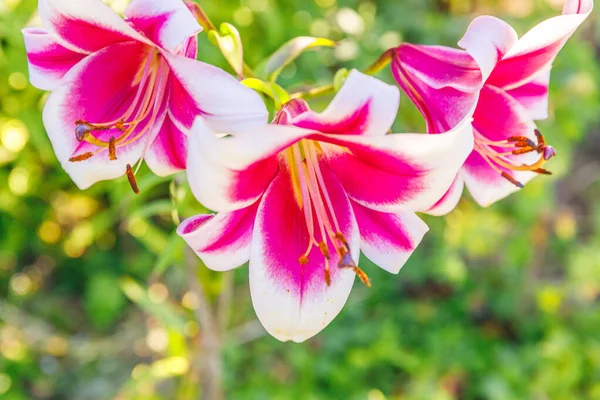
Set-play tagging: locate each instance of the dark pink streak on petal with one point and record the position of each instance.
(195, 223)
(443, 83)
(253, 180)
(378, 227)
(86, 35)
(375, 176)
(237, 229)
(170, 146)
(515, 70)
(151, 26)
(182, 106)
(353, 124)
(44, 52)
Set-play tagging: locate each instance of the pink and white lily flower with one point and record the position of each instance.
(301, 197)
(128, 89)
(507, 78)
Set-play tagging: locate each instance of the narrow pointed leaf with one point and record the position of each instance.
(290, 51)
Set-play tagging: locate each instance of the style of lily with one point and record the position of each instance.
(507, 78)
(301, 197)
(128, 90)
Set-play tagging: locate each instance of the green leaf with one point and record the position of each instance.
(290, 51)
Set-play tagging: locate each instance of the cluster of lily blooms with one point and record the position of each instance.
(302, 196)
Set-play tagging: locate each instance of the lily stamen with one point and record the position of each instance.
(151, 83)
(515, 145)
(318, 210)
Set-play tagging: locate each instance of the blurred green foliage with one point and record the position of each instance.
(498, 303)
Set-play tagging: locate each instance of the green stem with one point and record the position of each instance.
(315, 92)
(383, 61)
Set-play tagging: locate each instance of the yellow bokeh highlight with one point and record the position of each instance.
(49, 232)
(137, 227)
(190, 301)
(57, 346)
(14, 135)
(157, 339)
(158, 293)
(18, 181)
(243, 16)
(191, 329)
(5, 383)
(13, 350)
(258, 5)
(21, 284)
(173, 366)
(17, 80)
(549, 300)
(325, 3)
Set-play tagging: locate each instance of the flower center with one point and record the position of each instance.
(313, 197)
(498, 154)
(139, 118)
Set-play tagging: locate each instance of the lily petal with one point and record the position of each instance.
(222, 241)
(443, 83)
(202, 89)
(85, 25)
(498, 117)
(450, 200)
(167, 154)
(230, 173)
(487, 40)
(406, 172)
(48, 60)
(388, 240)
(534, 95)
(293, 301)
(537, 49)
(166, 23)
(363, 106)
(96, 89)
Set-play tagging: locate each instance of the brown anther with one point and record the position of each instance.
(132, 180)
(542, 171)
(540, 138)
(112, 150)
(81, 157)
(327, 277)
(303, 260)
(362, 276)
(340, 236)
(324, 249)
(120, 126)
(512, 180)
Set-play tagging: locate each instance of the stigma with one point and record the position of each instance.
(500, 155)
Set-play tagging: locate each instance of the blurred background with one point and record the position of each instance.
(498, 303)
